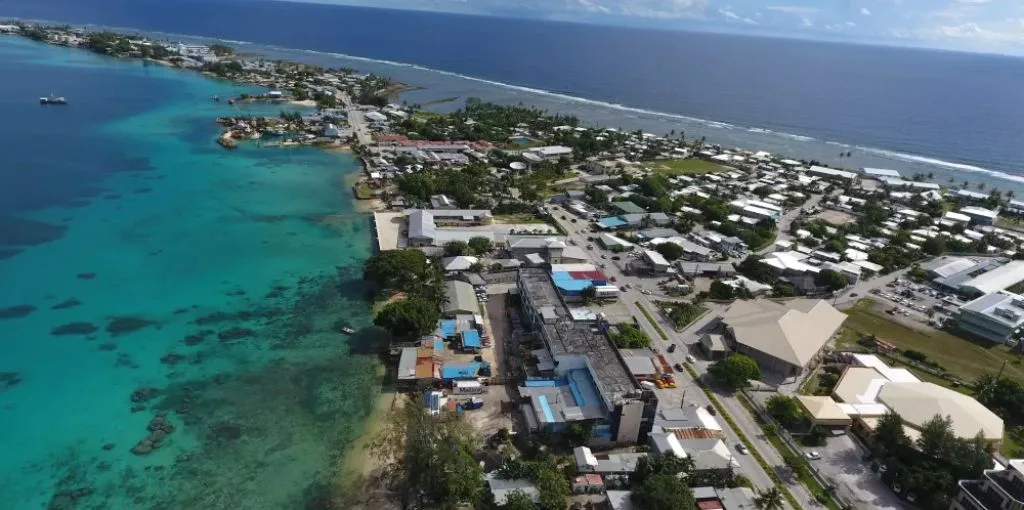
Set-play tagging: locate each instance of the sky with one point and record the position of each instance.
(970, 25)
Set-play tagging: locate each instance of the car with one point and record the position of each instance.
(604, 256)
(742, 448)
(616, 257)
(645, 292)
(572, 220)
(813, 455)
(564, 218)
(671, 347)
(679, 367)
(590, 247)
(853, 294)
(611, 279)
(690, 358)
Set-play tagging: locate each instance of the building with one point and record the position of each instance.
(783, 338)
(980, 215)
(571, 280)
(460, 299)
(1000, 278)
(628, 208)
(657, 262)
(712, 498)
(880, 172)
(996, 317)
(832, 173)
(501, 489)
(550, 152)
(590, 379)
(868, 389)
(550, 249)
(998, 489)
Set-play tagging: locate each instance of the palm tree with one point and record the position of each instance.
(770, 499)
(985, 388)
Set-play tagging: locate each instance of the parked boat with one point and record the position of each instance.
(347, 330)
(51, 99)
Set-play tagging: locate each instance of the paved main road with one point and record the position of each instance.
(687, 392)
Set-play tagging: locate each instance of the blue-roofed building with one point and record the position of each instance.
(448, 328)
(612, 223)
(460, 371)
(438, 345)
(471, 340)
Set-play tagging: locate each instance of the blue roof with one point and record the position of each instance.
(539, 383)
(460, 370)
(612, 222)
(545, 408)
(471, 339)
(448, 328)
(438, 345)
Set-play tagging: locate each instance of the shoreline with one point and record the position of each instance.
(358, 482)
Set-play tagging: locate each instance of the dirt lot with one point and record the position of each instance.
(837, 218)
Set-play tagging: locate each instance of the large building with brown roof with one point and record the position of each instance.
(782, 337)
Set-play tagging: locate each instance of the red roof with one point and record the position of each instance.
(711, 504)
(587, 275)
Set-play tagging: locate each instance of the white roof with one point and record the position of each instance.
(460, 263)
(979, 211)
(793, 332)
(832, 172)
(953, 266)
(789, 260)
(955, 216)
(880, 172)
(919, 402)
(997, 279)
(610, 240)
(656, 258)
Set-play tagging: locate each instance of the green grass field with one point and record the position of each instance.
(964, 358)
(524, 218)
(685, 166)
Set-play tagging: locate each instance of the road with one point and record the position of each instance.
(356, 121)
(687, 392)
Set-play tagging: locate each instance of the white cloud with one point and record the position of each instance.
(865, 11)
(794, 9)
(806, 22)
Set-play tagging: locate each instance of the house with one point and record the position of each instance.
(501, 489)
(590, 483)
(782, 337)
(996, 317)
(550, 152)
(460, 299)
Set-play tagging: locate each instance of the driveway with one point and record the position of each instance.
(841, 462)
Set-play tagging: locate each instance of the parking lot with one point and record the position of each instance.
(918, 302)
(841, 461)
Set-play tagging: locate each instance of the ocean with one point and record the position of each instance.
(955, 115)
(155, 283)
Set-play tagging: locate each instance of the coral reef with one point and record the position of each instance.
(16, 312)
(125, 325)
(75, 328)
(67, 303)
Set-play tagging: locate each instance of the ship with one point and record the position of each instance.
(51, 99)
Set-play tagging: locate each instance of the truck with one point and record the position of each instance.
(467, 387)
(473, 403)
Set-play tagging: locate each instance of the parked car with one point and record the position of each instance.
(671, 347)
(679, 367)
(742, 448)
(813, 455)
(690, 358)
(616, 257)
(711, 410)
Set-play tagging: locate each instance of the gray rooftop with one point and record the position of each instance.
(461, 297)
(407, 364)
(611, 376)
(1002, 307)
(421, 225)
(653, 233)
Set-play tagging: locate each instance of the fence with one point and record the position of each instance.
(795, 449)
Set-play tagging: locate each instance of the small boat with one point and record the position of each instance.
(51, 99)
(347, 330)
(216, 99)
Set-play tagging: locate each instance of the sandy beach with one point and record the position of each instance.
(359, 485)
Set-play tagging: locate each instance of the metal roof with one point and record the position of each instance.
(793, 332)
(461, 297)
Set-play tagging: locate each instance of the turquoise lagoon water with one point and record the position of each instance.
(119, 213)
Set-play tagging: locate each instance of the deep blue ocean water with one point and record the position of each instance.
(123, 222)
(954, 114)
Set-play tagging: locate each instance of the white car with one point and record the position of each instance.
(813, 455)
(690, 358)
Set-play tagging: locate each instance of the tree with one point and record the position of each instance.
(588, 295)
(670, 251)
(753, 268)
(578, 433)
(786, 411)
(832, 279)
(628, 336)
(409, 318)
(455, 248)
(934, 245)
(518, 500)
(770, 499)
(663, 491)
(889, 438)
(721, 290)
(429, 457)
(480, 245)
(936, 437)
(221, 50)
(735, 371)
(398, 270)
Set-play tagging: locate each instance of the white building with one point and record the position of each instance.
(996, 317)
(980, 214)
(550, 152)
(832, 173)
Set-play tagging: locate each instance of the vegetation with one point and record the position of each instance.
(429, 459)
(721, 290)
(670, 251)
(650, 319)
(588, 295)
(455, 248)
(787, 412)
(753, 268)
(480, 245)
(770, 499)
(406, 271)
(544, 473)
(628, 336)
(682, 314)
(685, 166)
(833, 280)
(663, 492)
(736, 371)
(955, 355)
(929, 468)
(222, 50)
(408, 319)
